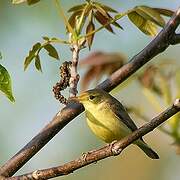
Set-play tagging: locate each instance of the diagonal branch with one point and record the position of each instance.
(63, 117)
(104, 152)
(175, 39)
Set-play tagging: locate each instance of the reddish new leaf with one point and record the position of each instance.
(90, 27)
(106, 8)
(103, 20)
(99, 64)
(73, 17)
(164, 12)
(77, 8)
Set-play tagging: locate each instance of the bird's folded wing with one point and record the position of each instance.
(120, 112)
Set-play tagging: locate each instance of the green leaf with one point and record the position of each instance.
(115, 23)
(73, 17)
(29, 2)
(45, 38)
(77, 8)
(90, 27)
(82, 19)
(54, 39)
(120, 15)
(51, 51)
(165, 12)
(5, 83)
(107, 8)
(150, 14)
(66, 22)
(146, 26)
(38, 63)
(31, 55)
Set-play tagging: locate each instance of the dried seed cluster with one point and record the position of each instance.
(63, 83)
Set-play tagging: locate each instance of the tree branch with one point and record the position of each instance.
(63, 117)
(104, 152)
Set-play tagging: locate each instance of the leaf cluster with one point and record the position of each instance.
(34, 53)
(147, 19)
(85, 15)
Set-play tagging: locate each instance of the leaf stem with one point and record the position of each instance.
(59, 41)
(61, 13)
(81, 22)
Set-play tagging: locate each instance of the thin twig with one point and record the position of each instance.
(73, 82)
(104, 152)
(63, 117)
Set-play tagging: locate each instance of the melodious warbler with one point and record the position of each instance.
(109, 120)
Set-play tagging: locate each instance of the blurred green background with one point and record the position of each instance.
(21, 27)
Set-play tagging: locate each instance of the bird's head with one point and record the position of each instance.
(92, 98)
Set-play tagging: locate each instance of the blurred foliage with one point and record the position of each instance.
(157, 82)
(100, 63)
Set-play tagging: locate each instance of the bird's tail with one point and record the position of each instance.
(148, 151)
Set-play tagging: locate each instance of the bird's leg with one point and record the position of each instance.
(114, 149)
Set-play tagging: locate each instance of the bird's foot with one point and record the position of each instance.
(114, 149)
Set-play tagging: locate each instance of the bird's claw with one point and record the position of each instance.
(114, 149)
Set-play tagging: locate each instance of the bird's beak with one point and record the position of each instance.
(79, 99)
(82, 97)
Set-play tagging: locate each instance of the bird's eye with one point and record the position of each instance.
(91, 97)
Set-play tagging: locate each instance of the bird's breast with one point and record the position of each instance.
(106, 125)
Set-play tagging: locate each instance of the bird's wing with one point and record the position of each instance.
(120, 112)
